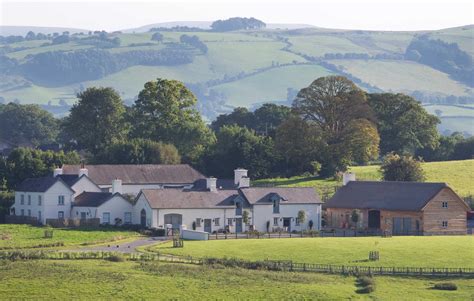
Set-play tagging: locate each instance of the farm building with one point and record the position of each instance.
(399, 208)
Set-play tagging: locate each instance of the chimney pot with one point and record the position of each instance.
(211, 184)
(117, 186)
(57, 171)
(239, 173)
(347, 177)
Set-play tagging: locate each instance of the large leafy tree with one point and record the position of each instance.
(341, 112)
(97, 119)
(24, 163)
(165, 111)
(27, 124)
(402, 168)
(239, 116)
(139, 151)
(403, 124)
(240, 147)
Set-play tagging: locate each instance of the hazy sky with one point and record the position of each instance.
(364, 14)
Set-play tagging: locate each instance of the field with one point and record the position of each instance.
(458, 174)
(129, 280)
(236, 55)
(24, 236)
(400, 251)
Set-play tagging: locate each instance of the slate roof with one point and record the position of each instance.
(296, 195)
(38, 184)
(138, 174)
(92, 199)
(178, 199)
(69, 179)
(403, 196)
(220, 184)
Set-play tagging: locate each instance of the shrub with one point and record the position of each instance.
(445, 286)
(365, 281)
(116, 258)
(366, 289)
(366, 285)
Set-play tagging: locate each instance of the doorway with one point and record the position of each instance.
(208, 225)
(287, 223)
(83, 215)
(173, 219)
(143, 218)
(238, 225)
(374, 219)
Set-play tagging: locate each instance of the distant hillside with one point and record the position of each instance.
(23, 30)
(245, 68)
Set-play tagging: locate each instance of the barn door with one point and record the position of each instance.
(406, 225)
(397, 225)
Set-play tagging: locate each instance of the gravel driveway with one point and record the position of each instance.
(126, 247)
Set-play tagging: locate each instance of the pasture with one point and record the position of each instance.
(25, 236)
(98, 279)
(400, 251)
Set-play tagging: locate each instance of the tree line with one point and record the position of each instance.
(331, 125)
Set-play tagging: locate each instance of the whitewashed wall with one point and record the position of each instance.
(116, 206)
(142, 203)
(264, 213)
(34, 207)
(51, 206)
(84, 184)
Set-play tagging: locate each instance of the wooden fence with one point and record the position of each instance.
(271, 265)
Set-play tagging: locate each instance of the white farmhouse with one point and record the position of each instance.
(222, 209)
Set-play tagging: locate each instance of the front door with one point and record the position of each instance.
(143, 218)
(83, 215)
(238, 225)
(208, 225)
(374, 219)
(287, 223)
(175, 220)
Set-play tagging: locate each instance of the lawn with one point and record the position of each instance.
(400, 251)
(96, 279)
(458, 174)
(25, 236)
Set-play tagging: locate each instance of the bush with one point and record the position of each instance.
(445, 286)
(366, 289)
(116, 258)
(365, 281)
(366, 285)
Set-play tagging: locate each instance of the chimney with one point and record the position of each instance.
(83, 171)
(211, 184)
(57, 171)
(244, 182)
(117, 186)
(239, 173)
(347, 177)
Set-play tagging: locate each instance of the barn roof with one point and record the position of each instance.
(104, 174)
(388, 195)
(177, 198)
(296, 195)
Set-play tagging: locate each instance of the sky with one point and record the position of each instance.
(344, 14)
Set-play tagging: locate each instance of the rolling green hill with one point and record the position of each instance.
(246, 68)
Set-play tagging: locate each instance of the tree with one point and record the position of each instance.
(245, 218)
(139, 151)
(403, 124)
(239, 116)
(445, 149)
(340, 111)
(157, 36)
(301, 217)
(402, 168)
(240, 147)
(164, 111)
(97, 119)
(299, 144)
(237, 23)
(24, 163)
(27, 124)
(269, 116)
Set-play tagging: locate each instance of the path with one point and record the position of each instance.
(126, 247)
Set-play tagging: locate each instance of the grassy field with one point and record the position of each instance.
(449, 111)
(400, 251)
(457, 124)
(402, 76)
(25, 236)
(458, 174)
(129, 280)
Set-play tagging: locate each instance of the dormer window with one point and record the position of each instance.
(276, 206)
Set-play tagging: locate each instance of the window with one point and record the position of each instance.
(198, 222)
(22, 212)
(29, 199)
(276, 206)
(39, 200)
(230, 221)
(22, 199)
(60, 214)
(445, 205)
(29, 212)
(216, 221)
(61, 200)
(275, 221)
(106, 218)
(297, 221)
(128, 218)
(445, 224)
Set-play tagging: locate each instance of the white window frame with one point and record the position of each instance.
(29, 200)
(60, 214)
(275, 221)
(230, 222)
(22, 199)
(198, 222)
(60, 200)
(104, 220)
(217, 221)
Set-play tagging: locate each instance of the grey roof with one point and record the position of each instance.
(138, 174)
(69, 179)
(177, 198)
(92, 199)
(220, 183)
(38, 184)
(404, 196)
(296, 195)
